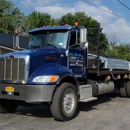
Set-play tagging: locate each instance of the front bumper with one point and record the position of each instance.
(28, 93)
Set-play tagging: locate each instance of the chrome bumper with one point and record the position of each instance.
(28, 93)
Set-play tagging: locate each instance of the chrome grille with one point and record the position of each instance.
(12, 69)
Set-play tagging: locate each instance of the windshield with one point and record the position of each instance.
(54, 38)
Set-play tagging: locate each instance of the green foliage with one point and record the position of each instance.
(67, 19)
(38, 19)
(54, 21)
(81, 17)
(34, 20)
(103, 43)
(120, 51)
(10, 16)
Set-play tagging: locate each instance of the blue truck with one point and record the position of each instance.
(58, 71)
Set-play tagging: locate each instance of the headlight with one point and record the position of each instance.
(49, 78)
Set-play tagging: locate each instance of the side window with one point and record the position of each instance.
(73, 41)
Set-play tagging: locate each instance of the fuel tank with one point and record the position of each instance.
(101, 87)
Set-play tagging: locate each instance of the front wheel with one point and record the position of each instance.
(64, 103)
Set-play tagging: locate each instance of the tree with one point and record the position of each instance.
(25, 26)
(67, 19)
(120, 51)
(54, 21)
(34, 20)
(87, 22)
(10, 16)
(103, 43)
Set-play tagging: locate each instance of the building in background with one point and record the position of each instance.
(7, 43)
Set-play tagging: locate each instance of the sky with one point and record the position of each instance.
(116, 27)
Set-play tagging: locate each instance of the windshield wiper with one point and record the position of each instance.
(19, 48)
(48, 44)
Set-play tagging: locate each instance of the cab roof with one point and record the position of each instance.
(51, 28)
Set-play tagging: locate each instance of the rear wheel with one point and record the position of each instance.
(125, 88)
(7, 106)
(123, 85)
(128, 88)
(64, 104)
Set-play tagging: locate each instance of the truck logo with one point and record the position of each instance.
(75, 54)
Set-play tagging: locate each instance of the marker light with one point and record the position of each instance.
(16, 31)
(11, 56)
(49, 78)
(53, 78)
(50, 57)
(76, 23)
(23, 82)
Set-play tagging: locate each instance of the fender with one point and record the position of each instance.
(51, 69)
(66, 75)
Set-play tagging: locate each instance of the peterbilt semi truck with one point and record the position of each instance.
(58, 71)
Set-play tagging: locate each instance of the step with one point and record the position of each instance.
(88, 99)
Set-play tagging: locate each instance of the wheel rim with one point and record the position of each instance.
(68, 102)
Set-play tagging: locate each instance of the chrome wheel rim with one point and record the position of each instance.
(68, 102)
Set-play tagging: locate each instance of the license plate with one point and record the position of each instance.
(9, 89)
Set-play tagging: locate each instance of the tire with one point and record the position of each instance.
(64, 103)
(128, 88)
(122, 89)
(7, 106)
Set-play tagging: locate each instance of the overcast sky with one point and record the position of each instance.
(116, 28)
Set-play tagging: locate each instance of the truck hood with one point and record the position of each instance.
(32, 52)
(37, 57)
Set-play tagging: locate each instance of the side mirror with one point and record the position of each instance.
(67, 53)
(83, 35)
(84, 45)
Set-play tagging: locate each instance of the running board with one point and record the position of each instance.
(88, 99)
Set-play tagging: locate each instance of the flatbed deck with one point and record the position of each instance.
(107, 71)
(107, 62)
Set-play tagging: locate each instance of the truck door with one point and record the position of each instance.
(77, 58)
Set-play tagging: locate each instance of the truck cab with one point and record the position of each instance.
(62, 40)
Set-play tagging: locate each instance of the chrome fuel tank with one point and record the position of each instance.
(101, 87)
